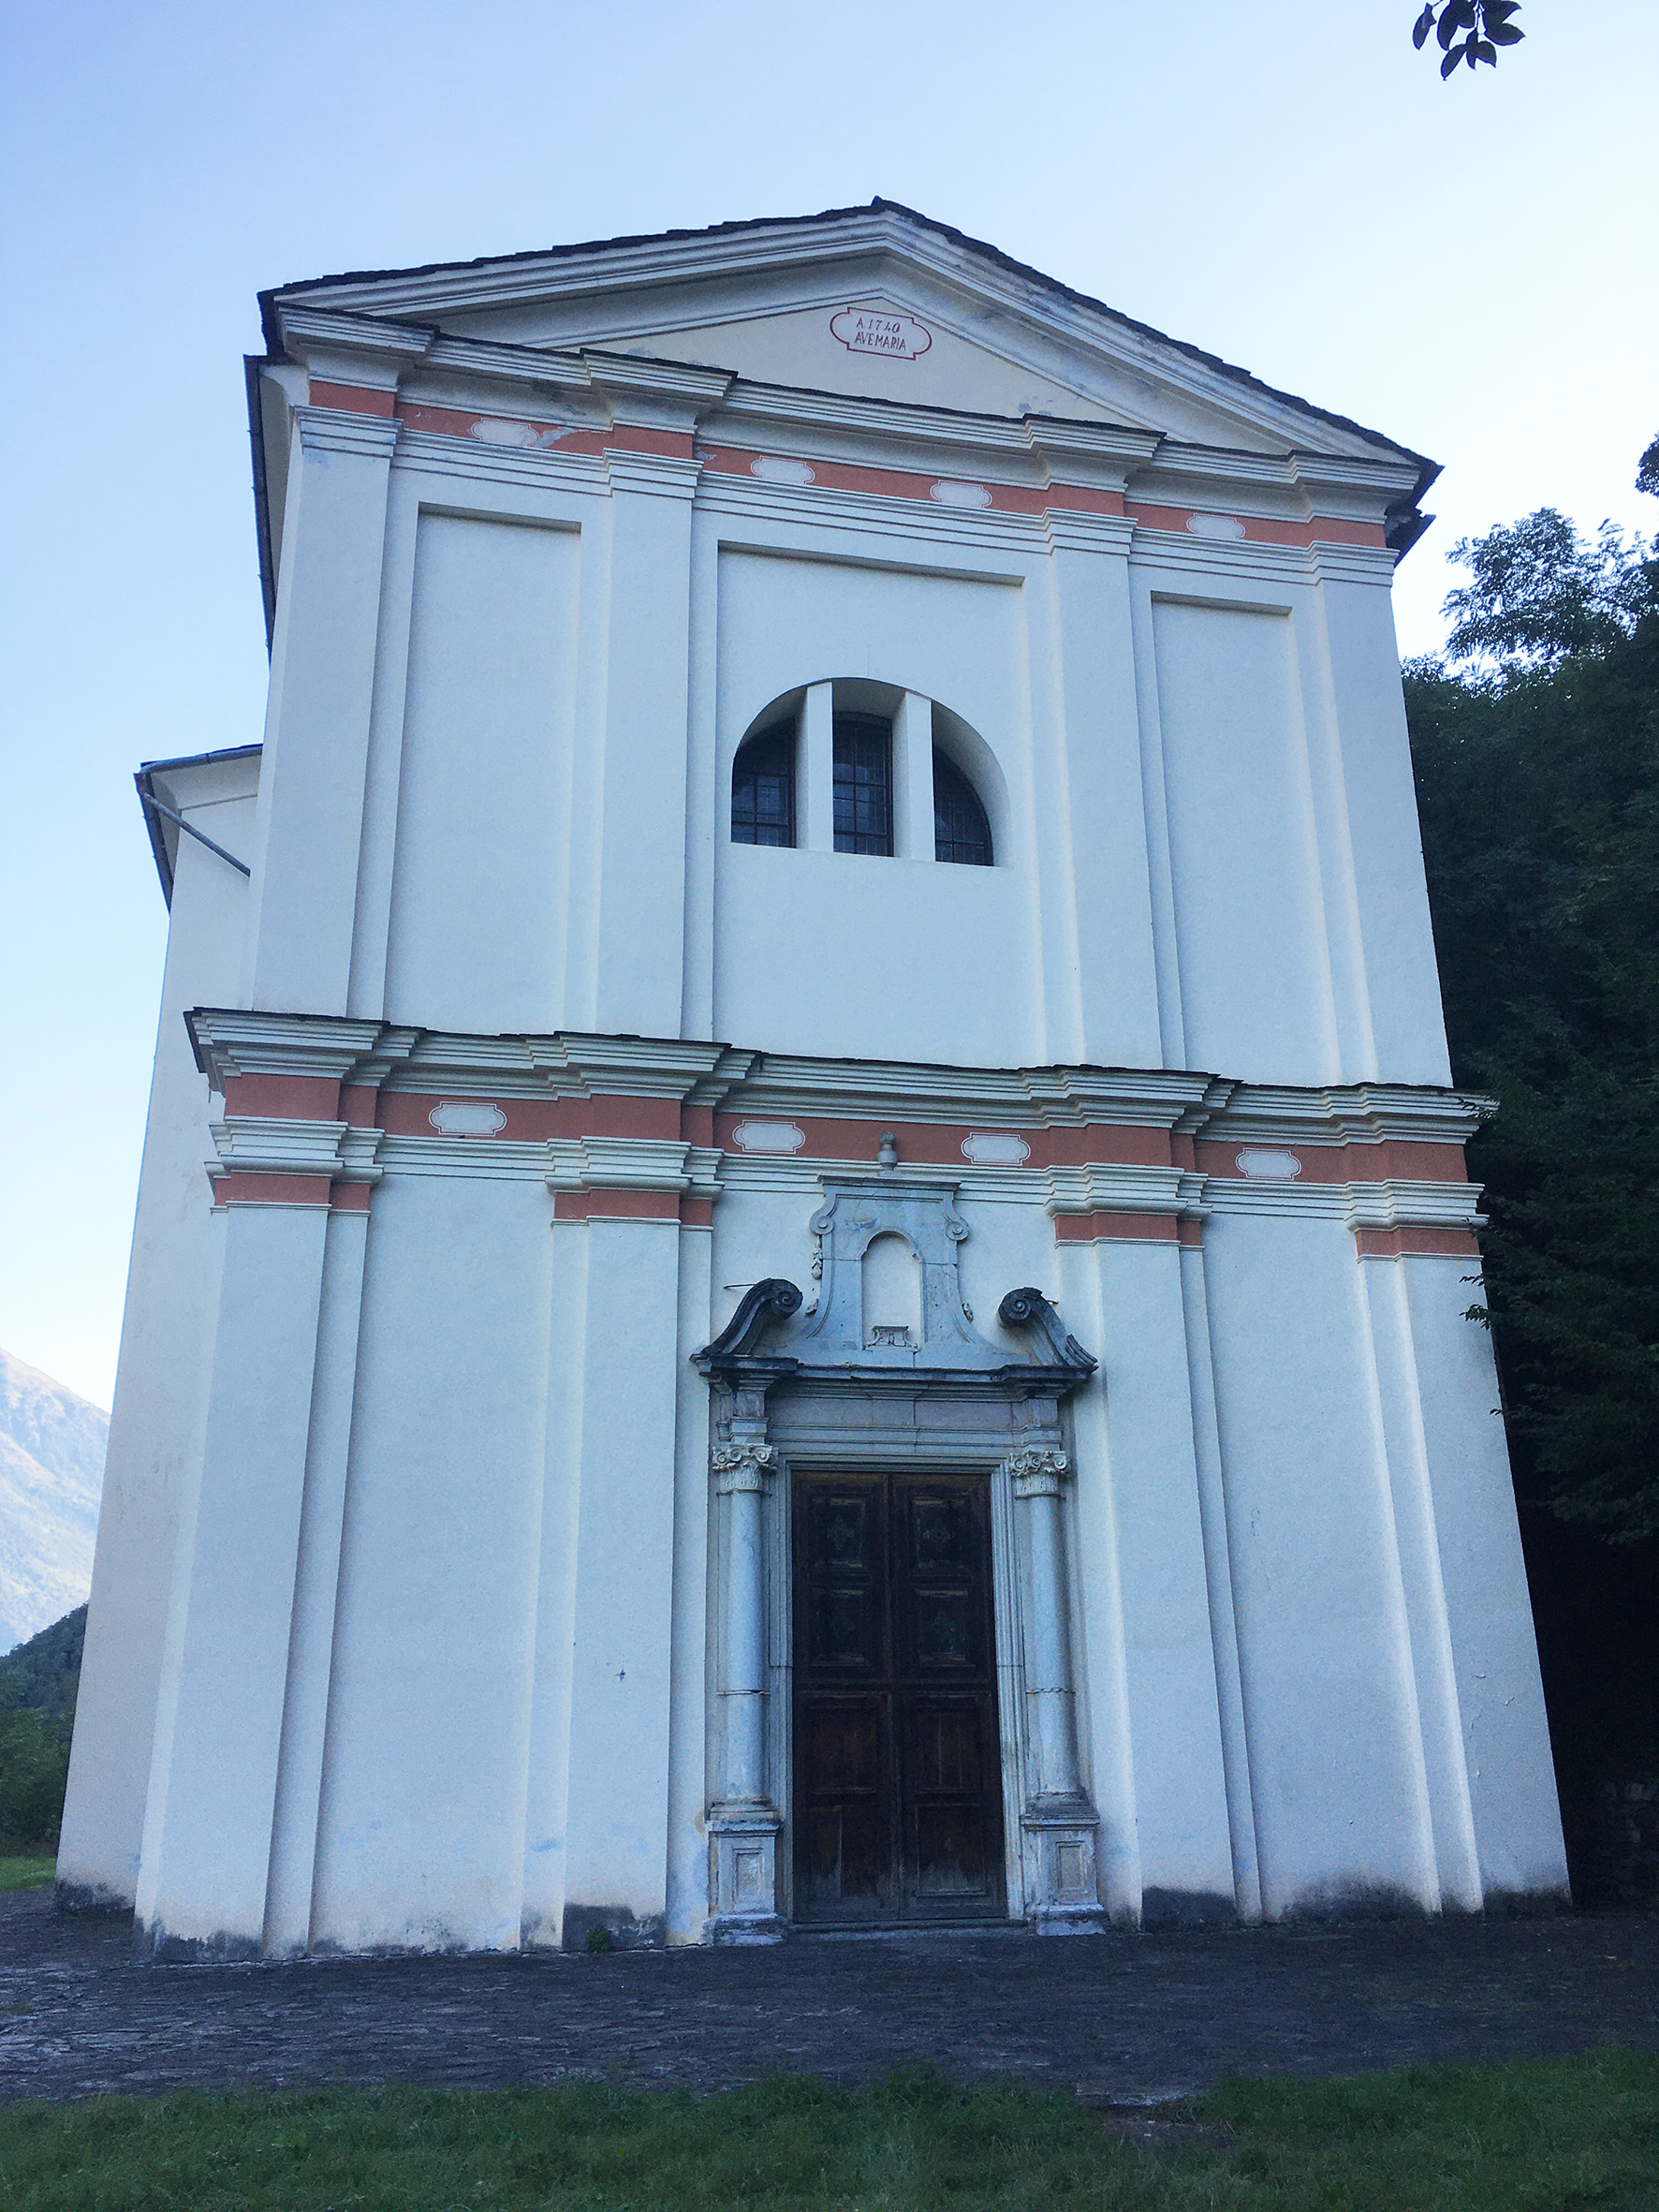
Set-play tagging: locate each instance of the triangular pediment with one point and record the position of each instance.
(874, 302)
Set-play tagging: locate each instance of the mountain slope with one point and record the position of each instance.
(51, 1474)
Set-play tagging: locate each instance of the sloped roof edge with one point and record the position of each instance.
(1428, 470)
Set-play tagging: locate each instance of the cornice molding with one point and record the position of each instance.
(656, 476)
(332, 430)
(229, 1042)
(274, 1145)
(607, 389)
(577, 1064)
(372, 347)
(860, 248)
(1069, 529)
(1122, 1188)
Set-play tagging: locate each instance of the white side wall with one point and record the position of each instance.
(161, 1379)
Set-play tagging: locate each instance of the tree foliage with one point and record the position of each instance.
(1537, 763)
(34, 1768)
(1468, 32)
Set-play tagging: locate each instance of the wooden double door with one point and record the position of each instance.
(898, 1812)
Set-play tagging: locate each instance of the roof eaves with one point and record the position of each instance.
(152, 821)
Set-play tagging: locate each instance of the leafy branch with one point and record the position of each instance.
(1468, 31)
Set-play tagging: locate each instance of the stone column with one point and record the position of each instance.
(743, 1822)
(1059, 1822)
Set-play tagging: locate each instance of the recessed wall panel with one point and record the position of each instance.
(1254, 990)
(477, 891)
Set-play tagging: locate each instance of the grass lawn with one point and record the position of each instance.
(1548, 2136)
(26, 1874)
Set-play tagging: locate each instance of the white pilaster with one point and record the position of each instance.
(1137, 1434)
(1497, 1829)
(1094, 786)
(1384, 976)
(616, 1828)
(316, 732)
(203, 1880)
(638, 938)
(305, 1712)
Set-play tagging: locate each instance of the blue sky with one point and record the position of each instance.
(1469, 267)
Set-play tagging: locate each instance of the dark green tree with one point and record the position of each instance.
(34, 1767)
(1536, 748)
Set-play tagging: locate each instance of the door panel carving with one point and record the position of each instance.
(898, 1785)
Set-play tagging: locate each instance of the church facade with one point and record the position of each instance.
(803, 1254)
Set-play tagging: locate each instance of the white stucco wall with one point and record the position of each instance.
(405, 1618)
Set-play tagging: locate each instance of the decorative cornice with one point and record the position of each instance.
(660, 476)
(332, 430)
(1347, 1113)
(1126, 1189)
(837, 257)
(229, 1042)
(1403, 1203)
(368, 350)
(1070, 530)
(617, 1163)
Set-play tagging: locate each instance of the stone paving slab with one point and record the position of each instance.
(1119, 2018)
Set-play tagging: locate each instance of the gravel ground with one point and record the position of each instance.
(1121, 2018)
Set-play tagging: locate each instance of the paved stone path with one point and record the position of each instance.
(1118, 2018)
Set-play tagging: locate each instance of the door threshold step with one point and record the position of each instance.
(888, 1933)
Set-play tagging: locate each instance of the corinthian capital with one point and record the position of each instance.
(1041, 1473)
(743, 1466)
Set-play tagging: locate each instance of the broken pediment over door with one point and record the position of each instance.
(889, 1305)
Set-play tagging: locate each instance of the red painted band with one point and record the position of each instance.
(616, 1206)
(286, 1097)
(242, 1187)
(353, 399)
(1413, 1237)
(1393, 1158)
(1102, 1228)
(1267, 529)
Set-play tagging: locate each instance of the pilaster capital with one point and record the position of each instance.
(746, 1466)
(1072, 529)
(330, 430)
(660, 476)
(1043, 1472)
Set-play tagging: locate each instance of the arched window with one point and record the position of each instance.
(961, 830)
(763, 789)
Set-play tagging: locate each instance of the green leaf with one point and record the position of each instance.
(1450, 63)
(1484, 52)
(1504, 34)
(1421, 28)
(1498, 11)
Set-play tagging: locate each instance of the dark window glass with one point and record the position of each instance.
(863, 784)
(763, 789)
(961, 830)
